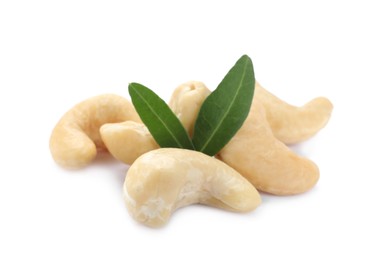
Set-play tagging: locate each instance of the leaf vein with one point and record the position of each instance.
(159, 118)
(227, 111)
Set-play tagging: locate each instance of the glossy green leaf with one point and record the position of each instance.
(225, 109)
(162, 123)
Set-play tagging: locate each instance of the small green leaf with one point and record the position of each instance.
(162, 123)
(225, 109)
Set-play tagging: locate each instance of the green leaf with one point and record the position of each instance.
(162, 123)
(225, 109)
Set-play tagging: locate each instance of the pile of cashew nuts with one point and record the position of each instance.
(161, 180)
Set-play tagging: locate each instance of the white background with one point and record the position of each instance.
(54, 54)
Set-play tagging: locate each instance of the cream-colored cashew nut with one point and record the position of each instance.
(128, 140)
(264, 160)
(75, 138)
(163, 180)
(186, 101)
(292, 124)
(289, 124)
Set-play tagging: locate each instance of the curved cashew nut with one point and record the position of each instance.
(163, 180)
(292, 124)
(75, 138)
(264, 160)
(289, 124)
(128, 140)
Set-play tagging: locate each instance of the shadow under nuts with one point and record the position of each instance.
(161, 180)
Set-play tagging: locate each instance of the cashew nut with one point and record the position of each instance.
(289, 124)
(264, 160)
(128, 140)
(292, 124)
(75, 138)
(163, 180)
(186, 101)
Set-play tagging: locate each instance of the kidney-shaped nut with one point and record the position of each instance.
(289, 124)
(265, 161)
(163, 180)
(186, 101)
(75, 138)
(128, 140)
(292, 124)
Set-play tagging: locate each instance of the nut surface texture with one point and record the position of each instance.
(291, 124)
(128, 140)
(265, 161)
(163, 180)
(186, 101)
(75, 138)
